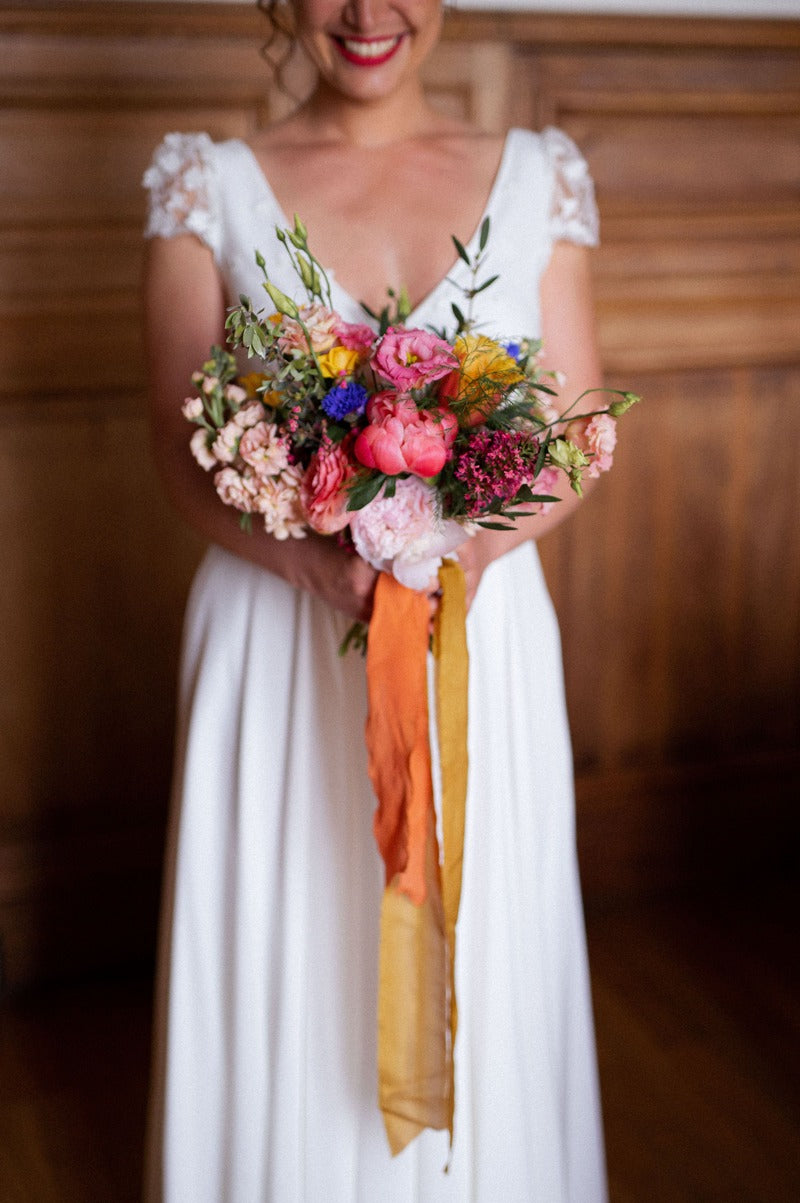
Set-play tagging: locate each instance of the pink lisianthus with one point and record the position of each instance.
(263, 449)
(321, 324)
(324, 489)
(356, 337)
(412, 358)
(597, 438)
(404, 534)
(401, 438)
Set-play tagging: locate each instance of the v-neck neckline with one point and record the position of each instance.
(455, 268)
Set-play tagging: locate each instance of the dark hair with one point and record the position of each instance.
(277, 49)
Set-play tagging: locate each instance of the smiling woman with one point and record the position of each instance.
(267, 1075)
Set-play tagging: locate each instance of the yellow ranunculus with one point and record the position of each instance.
(337, 361)
(251, 382)
(485, 375)
(485, 364)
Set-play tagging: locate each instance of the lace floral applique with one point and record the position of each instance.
(182, 198)
(573, 210)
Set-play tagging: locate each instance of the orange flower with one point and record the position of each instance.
(485, 375)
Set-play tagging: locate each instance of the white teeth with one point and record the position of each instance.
(370, 49)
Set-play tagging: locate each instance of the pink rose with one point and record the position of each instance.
(401, 438)
(597, 438)
(321, 324)
(404, 534)
(324, 489)
(412, 358)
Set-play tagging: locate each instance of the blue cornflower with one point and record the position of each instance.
(344, 399)
(514, 350)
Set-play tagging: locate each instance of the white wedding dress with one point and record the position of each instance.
(265, 1088)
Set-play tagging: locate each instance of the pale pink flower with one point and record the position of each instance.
(209, 383)
(192, 409)
(264, 450)
(278, 502)
(412, 358)
(233, 490)
(321, 324)
(401, 438)
(597, 438)
(226, 444)
(324, 489)
(198, 445)
(235, 394)
(249, 414)
(404, 534)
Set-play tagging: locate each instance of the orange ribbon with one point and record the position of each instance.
(416, 996)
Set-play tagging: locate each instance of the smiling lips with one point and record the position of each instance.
(368, 52)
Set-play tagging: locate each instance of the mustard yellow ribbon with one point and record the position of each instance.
(417, 1014)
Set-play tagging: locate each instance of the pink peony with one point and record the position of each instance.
(412, 358)
(404, 534)
(321, 324)
(597, 438)
(264, 450)
(324, 489)
(401, 438)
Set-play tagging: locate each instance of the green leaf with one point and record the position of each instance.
(365, 490)
(485, 284)
(484, 234)
(494, 525)
(462, 254)
(459, 316)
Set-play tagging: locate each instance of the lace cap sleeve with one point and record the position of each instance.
(573, 211)
(181, 183)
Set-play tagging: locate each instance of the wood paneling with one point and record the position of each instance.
(678, 585)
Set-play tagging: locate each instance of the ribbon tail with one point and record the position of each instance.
(452, 684)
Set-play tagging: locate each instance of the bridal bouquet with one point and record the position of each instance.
(402, 442)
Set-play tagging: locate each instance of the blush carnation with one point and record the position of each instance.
(410, 359)
(404, 534)
(278, 502)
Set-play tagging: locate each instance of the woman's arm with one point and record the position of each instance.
(570, 346)
(184, 315)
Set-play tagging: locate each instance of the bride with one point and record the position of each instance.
(264, 1089)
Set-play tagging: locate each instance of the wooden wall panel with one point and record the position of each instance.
(678, 585)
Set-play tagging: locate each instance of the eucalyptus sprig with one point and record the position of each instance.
(467, 322)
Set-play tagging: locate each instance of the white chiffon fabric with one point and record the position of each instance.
(265, 1084)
